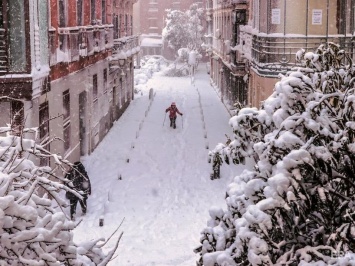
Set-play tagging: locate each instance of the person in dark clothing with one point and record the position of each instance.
(172, 114)
(80, 182)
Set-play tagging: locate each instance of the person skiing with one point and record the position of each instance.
(80, 182)
(172, 114)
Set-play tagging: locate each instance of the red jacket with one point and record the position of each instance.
(173, 110)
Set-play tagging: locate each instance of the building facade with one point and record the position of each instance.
(227, 70)
(74, 87)
(266, 42)
(151, 15)
(24, 67)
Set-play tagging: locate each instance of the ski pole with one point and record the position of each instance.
(164, 119)
(182, 122)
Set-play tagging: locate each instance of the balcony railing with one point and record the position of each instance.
(272, 55)
(76, 42)
(3, 52)
(128, 44)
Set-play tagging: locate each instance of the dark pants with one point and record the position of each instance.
(74, 202)
(173, 122)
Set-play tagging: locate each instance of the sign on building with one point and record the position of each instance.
(317, 17)
(275, 16)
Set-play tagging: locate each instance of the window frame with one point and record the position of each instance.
(105, 80)
(93, 12)
(62, 14)
(95, 91)
(43, 115)
(103, 12)
(79, 12)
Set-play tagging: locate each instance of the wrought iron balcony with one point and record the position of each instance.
(76, 42)
(272, 55)
(3, 52)
(129, 44)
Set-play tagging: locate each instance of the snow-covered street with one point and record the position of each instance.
(165, 192)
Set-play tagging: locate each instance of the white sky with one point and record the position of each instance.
(165, 192)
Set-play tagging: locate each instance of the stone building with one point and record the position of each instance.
(265, 35)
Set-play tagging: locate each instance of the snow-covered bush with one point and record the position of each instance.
(172, 71)
(297, 207)
(33, 228)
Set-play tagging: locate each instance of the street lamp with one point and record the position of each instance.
(121, 57)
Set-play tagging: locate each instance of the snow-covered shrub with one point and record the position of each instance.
(172, 71)
(297, 207)
(33, 228)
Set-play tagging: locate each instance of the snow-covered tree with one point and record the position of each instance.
(184, 29)
(195, 16)
(297, 206)
(175, 33)
(33, 227)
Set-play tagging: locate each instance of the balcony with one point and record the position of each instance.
(271, 55)
(124, 48)
(77, 42)
(130, 45)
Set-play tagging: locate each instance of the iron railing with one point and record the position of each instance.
(273, 55)
(76, 42)
(127, 44)
(3, 52)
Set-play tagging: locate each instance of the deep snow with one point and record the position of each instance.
(165, 192)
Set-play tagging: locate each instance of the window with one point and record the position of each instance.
(17, 36)
(17, 117)
(103, 6)
(352, 16)
(120, 27)
(93, 12)
(66, 119)
(105, 80)
(153, 9)
(66, 105)
(43, 120)
(44, 129)
(94, 88)
(131, 26)
(116, 27)
(126, 23)
(153, 23)
(62, 13)
(79, 10)
(5, 108)
(176, 5)
(66, 135)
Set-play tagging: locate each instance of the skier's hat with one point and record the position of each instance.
(173, 104)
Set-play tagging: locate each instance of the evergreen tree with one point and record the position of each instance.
(33, 228)
(297, 206)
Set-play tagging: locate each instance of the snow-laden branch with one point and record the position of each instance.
(297, 206)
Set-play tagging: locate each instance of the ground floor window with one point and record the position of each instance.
(44, 130)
